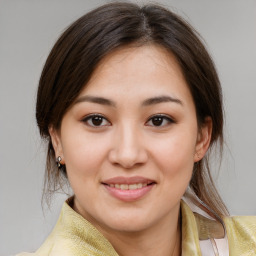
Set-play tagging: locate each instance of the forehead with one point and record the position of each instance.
(149, 58)
(147, 70)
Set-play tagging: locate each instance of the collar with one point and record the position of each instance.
(202, 235)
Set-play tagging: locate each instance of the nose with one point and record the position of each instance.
(128, 150)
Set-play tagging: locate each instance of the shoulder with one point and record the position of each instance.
(241, 232)
(73, 236)
(241, 226)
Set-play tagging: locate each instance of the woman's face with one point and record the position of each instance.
(130, 141)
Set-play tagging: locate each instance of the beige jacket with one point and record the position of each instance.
(74, 236)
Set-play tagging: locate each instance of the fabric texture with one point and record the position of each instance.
(75, 236)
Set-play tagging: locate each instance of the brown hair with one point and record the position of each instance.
(84, 44)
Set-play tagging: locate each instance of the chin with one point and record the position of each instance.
(132, 223)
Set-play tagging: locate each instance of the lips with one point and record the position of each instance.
(128, 188)
(128, 180)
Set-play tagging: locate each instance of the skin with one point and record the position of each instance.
(128, 143)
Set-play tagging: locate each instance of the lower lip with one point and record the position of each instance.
(129, 195)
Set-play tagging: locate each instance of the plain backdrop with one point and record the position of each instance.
(28, 30)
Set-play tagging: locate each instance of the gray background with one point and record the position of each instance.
(28, 30)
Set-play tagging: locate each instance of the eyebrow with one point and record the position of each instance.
(147, 102)
(161, 99)
(94, 99)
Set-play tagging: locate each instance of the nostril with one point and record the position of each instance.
(128, 158)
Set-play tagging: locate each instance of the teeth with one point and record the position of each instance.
(124, 186)
(139, 185)
(128, 187)
(132, 187)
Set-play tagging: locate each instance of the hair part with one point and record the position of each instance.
(88, 40)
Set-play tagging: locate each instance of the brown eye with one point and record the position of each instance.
(96, 121)
(159, 121)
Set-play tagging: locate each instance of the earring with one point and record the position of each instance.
(58, 162)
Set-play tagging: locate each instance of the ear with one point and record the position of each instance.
(56, 142)
(203, 139)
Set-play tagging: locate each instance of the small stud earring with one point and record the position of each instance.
(58, 162)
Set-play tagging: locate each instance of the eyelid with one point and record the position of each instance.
(89, 116)
(164, 116)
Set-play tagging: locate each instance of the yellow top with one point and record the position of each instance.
(75, 236)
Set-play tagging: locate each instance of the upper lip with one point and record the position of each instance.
(128, 180)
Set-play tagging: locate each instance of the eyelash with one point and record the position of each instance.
(89, 118)
(162, 118)
(98, 117)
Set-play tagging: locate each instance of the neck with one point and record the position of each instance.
(163, 239)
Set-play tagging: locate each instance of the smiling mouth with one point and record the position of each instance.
(128, 189)
(129, 186)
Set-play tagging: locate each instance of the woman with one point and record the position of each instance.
(130, 104)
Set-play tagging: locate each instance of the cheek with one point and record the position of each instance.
(84, 158)
(177, 149)
(84, 155)
(175, 157)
